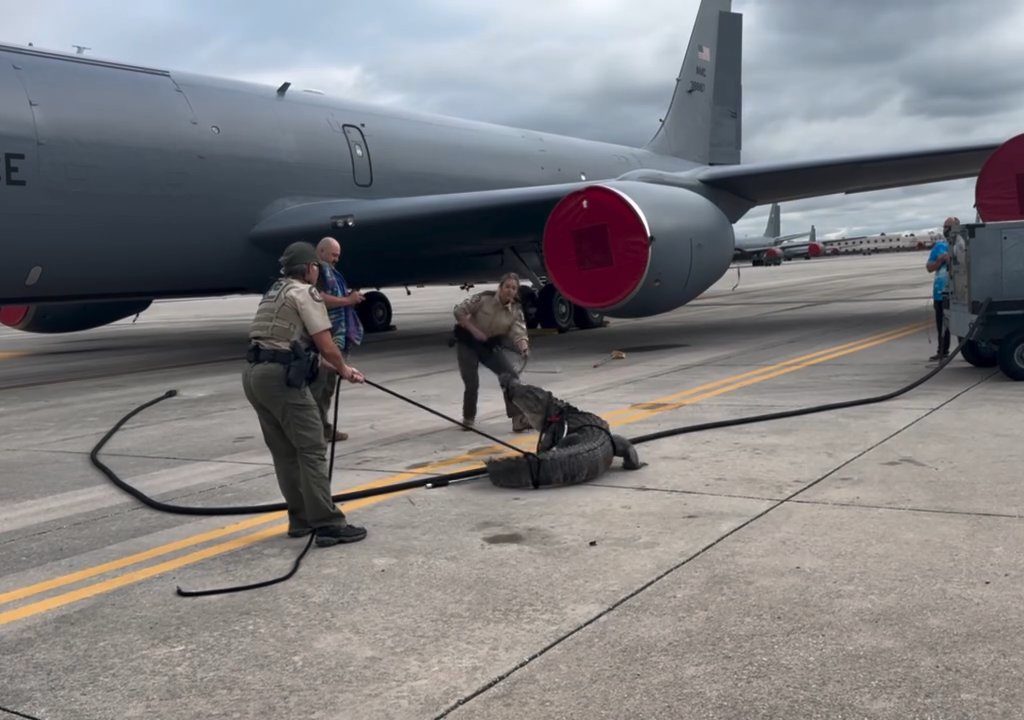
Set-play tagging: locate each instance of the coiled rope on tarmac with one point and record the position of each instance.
(444, 480)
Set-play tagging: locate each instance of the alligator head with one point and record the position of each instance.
(535, 403)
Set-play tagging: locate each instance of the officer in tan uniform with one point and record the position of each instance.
(290, 322)
(485, 321)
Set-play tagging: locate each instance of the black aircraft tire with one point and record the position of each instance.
(554, 311)
(587, 319)
(528, 299)
(375, 311)
(979, 355)
(1011, 356)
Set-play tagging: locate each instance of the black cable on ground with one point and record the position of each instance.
(444, 480)
(433, 481)
(18, 714)
(251, 586)
(309, 543)
(732, 422)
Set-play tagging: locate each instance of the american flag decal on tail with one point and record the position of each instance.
(704, 53)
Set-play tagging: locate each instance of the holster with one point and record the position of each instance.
(464, 336)
(303, 367)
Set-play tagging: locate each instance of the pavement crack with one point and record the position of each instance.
(673, 491)
(935, 511)
(687, 560)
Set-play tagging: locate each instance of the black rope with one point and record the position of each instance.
(432, 481)
(533, 460)
(15, 712)
(309, 543)
(421, 406)
(251, 586)
(766, 417)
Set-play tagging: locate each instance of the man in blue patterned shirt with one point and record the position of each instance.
(938, 263)
(346, 329)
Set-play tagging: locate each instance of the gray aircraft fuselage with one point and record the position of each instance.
(150, 182)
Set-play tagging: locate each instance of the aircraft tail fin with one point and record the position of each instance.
(704, 120)
(774, 227)
(814, 235)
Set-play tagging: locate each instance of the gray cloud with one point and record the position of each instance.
(821, 77)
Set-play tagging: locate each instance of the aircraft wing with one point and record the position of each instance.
(746, 251)
(763, 183)
(458, 223)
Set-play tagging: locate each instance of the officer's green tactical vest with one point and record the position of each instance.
(277, 321)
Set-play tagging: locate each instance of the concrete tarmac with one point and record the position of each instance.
(864, 563)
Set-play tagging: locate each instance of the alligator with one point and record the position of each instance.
(574, 446)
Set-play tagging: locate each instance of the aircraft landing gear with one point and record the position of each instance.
(550, 309)
(375, 312)
(587, 319)
(528, 299)
(554, 310)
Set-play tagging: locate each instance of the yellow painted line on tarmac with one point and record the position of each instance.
(135, 576)
(152, 553)
(642, 411)
(12, 354)
(30, 590)
(624, 416)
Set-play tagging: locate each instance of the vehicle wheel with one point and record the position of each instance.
(375, 311)
(587, 319)
(553, 310)
(979, 354)
(528, 299)
(1011, 356)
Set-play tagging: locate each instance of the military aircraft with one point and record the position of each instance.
(120, 184)
(766, 249)
(806, 250)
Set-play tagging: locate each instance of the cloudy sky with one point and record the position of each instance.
(821, 77)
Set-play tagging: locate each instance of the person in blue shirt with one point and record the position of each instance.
(346, 328)
(938, 263)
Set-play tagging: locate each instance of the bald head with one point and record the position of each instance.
(328, 250)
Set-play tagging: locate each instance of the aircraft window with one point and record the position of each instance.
(362, 172)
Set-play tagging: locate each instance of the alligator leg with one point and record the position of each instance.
(624, 449)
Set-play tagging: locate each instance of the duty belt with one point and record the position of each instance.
(257, 354)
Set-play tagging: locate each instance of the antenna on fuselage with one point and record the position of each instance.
(80, 49)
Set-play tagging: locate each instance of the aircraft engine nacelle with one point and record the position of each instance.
(632, 249)
(772, 253)
(815, 250)
(68, 317)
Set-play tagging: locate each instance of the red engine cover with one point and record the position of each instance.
(12, 315)
(596, 247)
(772, 253)
(999, 191)
(814, 249)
